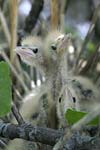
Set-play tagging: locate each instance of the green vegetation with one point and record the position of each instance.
(5, 89)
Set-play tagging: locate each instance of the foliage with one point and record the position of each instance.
(5, 89)
(73, 116)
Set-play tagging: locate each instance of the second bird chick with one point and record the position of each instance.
(80, 94)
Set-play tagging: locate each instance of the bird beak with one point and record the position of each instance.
(24, 51)
(65, 42)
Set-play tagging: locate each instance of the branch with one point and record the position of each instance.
(33, 16)
(80, 142)
(48, 136)
(30, 133)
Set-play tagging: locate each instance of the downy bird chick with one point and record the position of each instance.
(31, 53)
(79, 94)
(49, 61)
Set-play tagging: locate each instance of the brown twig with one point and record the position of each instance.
(17, 115)
(54, 14)
(5, 27)
(13, 4)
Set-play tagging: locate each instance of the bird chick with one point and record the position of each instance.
(80, 94)
(49, 61)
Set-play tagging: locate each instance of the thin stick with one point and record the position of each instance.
(54, 14)
(13, 20)
(5, 27)
(17, 115)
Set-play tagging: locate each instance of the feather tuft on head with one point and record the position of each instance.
(32, 41)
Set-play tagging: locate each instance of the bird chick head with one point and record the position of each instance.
(31, 51)
(61, 43)
(57, 43)
(86, 92)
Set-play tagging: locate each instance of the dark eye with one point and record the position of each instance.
(35, 50)
(53, 47)
(59, 99)
(74, 99)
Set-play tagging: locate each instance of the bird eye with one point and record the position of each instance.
(53, 47)
(74, 99)
(35, 50)
(59, 99)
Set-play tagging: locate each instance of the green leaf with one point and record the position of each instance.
(5, 89)
(72, 116)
